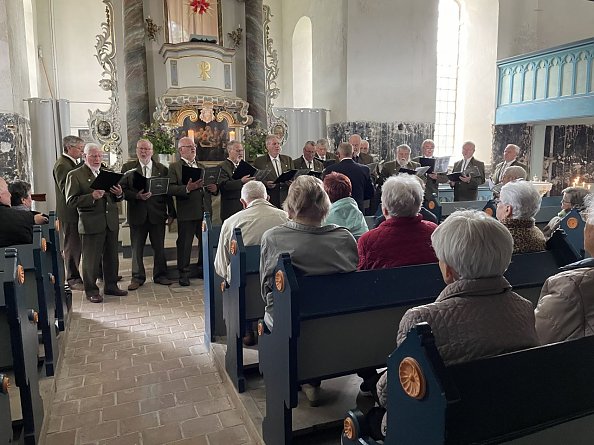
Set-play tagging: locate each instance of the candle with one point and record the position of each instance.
(232, 135)
(191, 134)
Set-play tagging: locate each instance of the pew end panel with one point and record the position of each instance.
(214, 325)
(330, 326)
(573, 226)
(6, 432)
(63, 298)
(242, 304)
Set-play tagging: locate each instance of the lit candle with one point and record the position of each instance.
(191, 134)
(232, 135)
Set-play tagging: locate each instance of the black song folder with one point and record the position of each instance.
(106, 180)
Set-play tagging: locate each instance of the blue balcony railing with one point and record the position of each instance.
(553, 84)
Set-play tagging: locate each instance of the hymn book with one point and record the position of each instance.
(419, 171)
(191, 173)
(471, 171)
(436, 165)
(105, 180)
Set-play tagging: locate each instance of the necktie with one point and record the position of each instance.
(500, 175)
(277, 167)
(146, 174)
(464, 165)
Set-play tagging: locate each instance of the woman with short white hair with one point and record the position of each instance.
(404, 238)
(518, 203)
(477, 314)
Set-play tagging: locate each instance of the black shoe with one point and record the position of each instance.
(184, 281)
(116, 292)
(95, 298)
(134, 285)
(163, 280)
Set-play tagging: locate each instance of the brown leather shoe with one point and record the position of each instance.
(95, 298)
(134, 285)
(116, 292)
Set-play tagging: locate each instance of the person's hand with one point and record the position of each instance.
(97, 194)
(194, 185)
(270, 184)
(169, 220)
(247, 178)
(212, 188)
(143, 196)
(465, 179)
(116, 190)
(40, 219)
(452, 183)
(432, 175)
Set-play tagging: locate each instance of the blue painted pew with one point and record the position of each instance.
(5, 418)
(39, 293)
(242, 304)
(541, 396)
(573, 226)
(21, 319)
(549, 207)
(330, 326)
(214, 325)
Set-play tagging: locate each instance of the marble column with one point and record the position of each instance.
(254, 49)
(137, 97)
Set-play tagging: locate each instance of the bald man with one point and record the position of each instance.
(510, 159)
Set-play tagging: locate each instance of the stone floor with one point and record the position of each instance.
(135, 371)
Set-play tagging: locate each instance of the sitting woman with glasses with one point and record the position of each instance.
(518, 204)
(573, 198)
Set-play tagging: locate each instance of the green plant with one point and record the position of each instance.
(254, 141)
(162, 138)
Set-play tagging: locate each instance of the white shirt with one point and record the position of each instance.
(146, 169)
(276, 164)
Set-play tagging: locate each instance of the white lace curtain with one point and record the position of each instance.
(182, 22)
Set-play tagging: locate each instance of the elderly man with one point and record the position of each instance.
(20, 195)
(355, 141)
(277, 164)
(359, 175)
(147, 215)
(231, 188)
(308, 160)
(402, 160)
(364, 156)
(467, 188)
(192, 200)
(510, 158)
(518, 203)
(71, 244)
(513, 173)
(432, 179)
(17, 226)
(322, 152)
(98, 225)
(257, 217)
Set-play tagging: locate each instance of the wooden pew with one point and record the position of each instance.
(447, 208)
(242, 304)
(573, 226)
(434, 207)
(541, 395)
(51, 233)
(332, 325)
(214, 325)
(549, 207)
(5, 417)
(21, 319)
(39, 293)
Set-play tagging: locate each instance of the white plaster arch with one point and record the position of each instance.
(302, 71)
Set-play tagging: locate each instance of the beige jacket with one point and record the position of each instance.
(565, 309)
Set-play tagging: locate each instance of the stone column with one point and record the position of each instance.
(137, 97)
(254, 51)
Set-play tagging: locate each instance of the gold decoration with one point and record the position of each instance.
(20, 274)
(233, 248)
(207, 112)
(349, 429)
(180, 116)
(431, 205)
(204, 70)
(489, 211)
(4, 384)
(33, 316)
(260, 328)
(43, 244)
(222, 286)
(57, 225)
(572, 223)
(204, 226)
(412, 378)
(279, 280)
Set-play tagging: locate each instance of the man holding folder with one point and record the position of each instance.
(277, 164)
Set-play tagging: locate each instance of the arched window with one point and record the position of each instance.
(448, 43)
(302, 64)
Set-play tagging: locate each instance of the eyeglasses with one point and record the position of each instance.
(187, 146)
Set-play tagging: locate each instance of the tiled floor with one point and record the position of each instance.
(135, 371)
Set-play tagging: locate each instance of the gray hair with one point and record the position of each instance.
(514, 172)
(270, 137)
(146, 141)
(402, 195)
(90, 145)
(403, 147)
(307, 198)
(474, 244)
(232, 144)
(523, 198)
(515, 147)
(71, 141)
(253, 190)
(323, 142)
(576, 196)
(589, 213)
(345, 149)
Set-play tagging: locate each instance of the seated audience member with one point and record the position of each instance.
(315, 249)
(565, 309)
(344, 211)
(17, 226)
(257, 216)
(573, 198)
(518, 204)
(404, 238)
(513, 173)
(496, 320)
(20, 195)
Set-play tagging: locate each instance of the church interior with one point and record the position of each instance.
(149, 367)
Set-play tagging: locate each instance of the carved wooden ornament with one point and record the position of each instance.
(57, 225)
(43, 244)
(233, 247)
(20, 274)
(261, 328)
(572, 223)
(431, 205)
(412, 378)
(4, 384)
(279, 280)
(489, 211)
(349, 428)
(222, 286)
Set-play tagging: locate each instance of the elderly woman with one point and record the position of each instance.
(573, 198)
(495, 319)
(404, 238)
(565, 310)
(518, 204)
(344, 210)
(20, 195)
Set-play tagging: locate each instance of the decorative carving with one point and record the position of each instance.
(207, 113)
(43, 245)
(277, 124)
(204, 70)
(572, 223)
(20, 274)
(235, 37)
(152, 29)
(412, 378)
(279, 280)
(348, 428)
(170, 108)
(233, 248)
(105, 125)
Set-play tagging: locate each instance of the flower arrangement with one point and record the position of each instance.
(254, 141)
(162, 138)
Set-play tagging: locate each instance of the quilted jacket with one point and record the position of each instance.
(565, 309)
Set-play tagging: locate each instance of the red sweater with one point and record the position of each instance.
(398, 241)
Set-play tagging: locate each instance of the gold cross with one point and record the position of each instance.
(204, 70)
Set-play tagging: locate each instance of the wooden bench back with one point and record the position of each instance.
(214, 325)
(573, 226)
